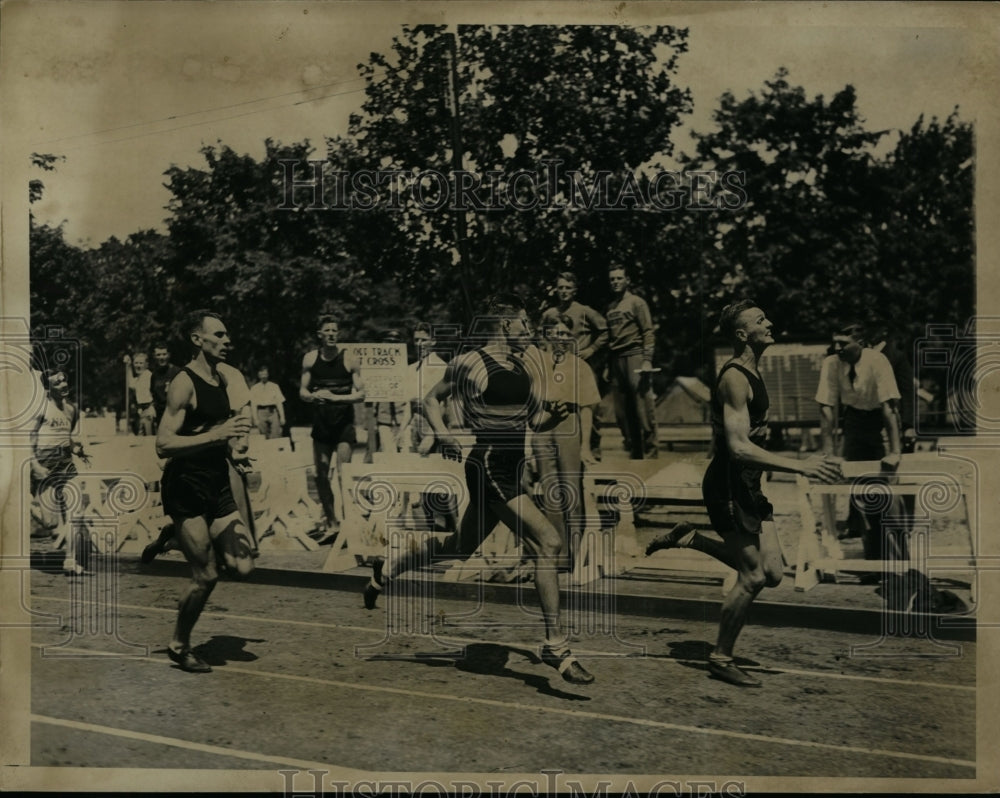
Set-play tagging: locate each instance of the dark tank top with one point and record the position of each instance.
(212, 407)
(758, 411)
(335, 377)
(505, 406)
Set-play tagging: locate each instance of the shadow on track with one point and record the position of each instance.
(222, 649)
(694, 654)
(487, 659)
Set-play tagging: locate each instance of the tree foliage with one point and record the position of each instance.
(831, 231)
(590, 98)
(46, 162)
(838, 221)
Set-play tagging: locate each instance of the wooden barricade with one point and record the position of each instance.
(375, 501)
(678, 503)
(939, 486)
(284, 510)
(123, 483)
(618, 497)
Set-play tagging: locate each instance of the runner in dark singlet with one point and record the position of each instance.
(198, 484)
(196, 432)
(331, 381)
(499, 386)
(739, 511)
(732, 492)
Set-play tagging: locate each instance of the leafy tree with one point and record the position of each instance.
(46, 162)
(924, 225)
(830, 231)
(269, 270)
(803, 236)
(595, 99)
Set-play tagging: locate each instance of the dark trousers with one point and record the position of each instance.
(604, 413)
(634, 405)
(863, 441)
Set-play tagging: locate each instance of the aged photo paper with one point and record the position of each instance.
(386, 167)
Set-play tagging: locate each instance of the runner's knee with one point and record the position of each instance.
(754, 581)
(547, 542)
(772, 576)
(205, 578)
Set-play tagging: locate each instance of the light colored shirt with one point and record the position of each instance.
(266, 394)
(570, 380)
(142, 387)
(589, 327)
(630, 327)
(874, 383)
(55, 426)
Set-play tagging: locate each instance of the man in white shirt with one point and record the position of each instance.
(423, 374)
(268, 404)
(428, 369)
(142, 392)
(860, 382)
(563, 450)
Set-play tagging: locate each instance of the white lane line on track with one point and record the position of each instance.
(579, 651)
(579, 714)
(187, 744)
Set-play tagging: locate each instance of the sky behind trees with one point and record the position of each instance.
(126, 93)
(832, 203)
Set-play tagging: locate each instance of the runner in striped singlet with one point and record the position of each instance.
(499, 386)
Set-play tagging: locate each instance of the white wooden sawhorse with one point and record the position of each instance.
(940, 486)
(375, 502)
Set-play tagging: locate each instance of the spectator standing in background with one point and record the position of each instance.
(142, 395)
(267, 404)
(590, 330)
(163, 372)
(860, 382)
(631, 340)
(563, 451)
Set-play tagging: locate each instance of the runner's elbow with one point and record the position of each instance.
(740, 449)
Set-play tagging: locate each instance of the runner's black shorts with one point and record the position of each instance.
(61, 468)
(199, 488)
(493, 472)
(734, 498)
(333, 426)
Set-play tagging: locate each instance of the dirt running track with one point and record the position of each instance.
(290, 689)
